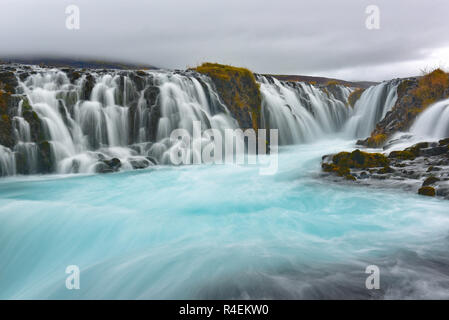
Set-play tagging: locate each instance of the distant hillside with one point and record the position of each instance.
(323, 80)
(77, 63)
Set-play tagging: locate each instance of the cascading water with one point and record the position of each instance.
(370, 108)
(433, 123)
(302, 112)
(231, 233)
(101, 116)
(92, 118)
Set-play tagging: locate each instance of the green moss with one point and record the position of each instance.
(444, 142)
(350, 177)
(332, 83)
(410, 153)
(344, 161)
(354, 96)
(403, 87)
(402, 155)
(427, 191)
(376, 140)
(431, 88)
(239, 91)
(386, 169)
(4, 97)
(361, 160)
(26, 105)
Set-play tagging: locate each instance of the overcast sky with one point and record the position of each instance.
(326, 38)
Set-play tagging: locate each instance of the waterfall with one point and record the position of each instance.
(433, 123)
(370, 108)
(7, 162)
(101, 115)
(86, 119)
(302, 112)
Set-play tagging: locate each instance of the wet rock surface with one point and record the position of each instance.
(422, 168)
(414, 95)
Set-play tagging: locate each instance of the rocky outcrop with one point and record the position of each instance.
(238, 90)
(354, 96)
(414, 96)
(422, 168)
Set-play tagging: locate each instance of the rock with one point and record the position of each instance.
(363, 175)
(8, 81)
(45, 157)
(386, 169)
(436, 151)
(430, 180)
(427, 191)
(88, 85)
(443, 192)
(238, 90)
(139, 163)
(444, 142)
(407, 169)
(114, 164)
(102, 167)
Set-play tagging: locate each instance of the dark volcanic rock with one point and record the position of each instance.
(414, 96)
(413, 169)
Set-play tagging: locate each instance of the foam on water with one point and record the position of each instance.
(219, 231)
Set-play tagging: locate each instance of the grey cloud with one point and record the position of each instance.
(325, 38)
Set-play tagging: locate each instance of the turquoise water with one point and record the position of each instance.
(220, 231)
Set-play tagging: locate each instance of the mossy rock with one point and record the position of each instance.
(427, 191)
(361, 160)
(404, 86)
(385, 170)
(350, 177)
(354, 96)
(45, 157)
(6, 128)
(238, 90)
(430, 180)
(375, 141)
(410, 153)
(402, 155)
(343, 162)
(444, 142)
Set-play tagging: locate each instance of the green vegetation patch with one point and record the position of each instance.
(239, 91)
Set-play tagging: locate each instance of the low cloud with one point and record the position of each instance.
(326, 38)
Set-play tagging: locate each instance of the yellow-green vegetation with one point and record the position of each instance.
(427, 191)
(332, 83)
(431, 88)
(403, 155)
(403, 87)
(4, 97)
(354, 96)
(344, 161)
(361, 160)
(238, 89)
(376, 141)
(409, 153)
(5, 121)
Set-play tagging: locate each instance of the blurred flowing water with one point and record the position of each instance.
(221, 231)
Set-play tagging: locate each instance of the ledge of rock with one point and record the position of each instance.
(422, 168)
